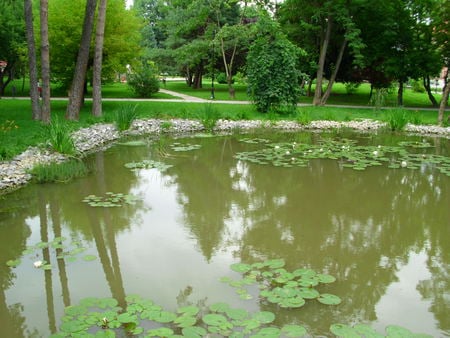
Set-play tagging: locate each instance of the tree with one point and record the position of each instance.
(232, 35)
(45, 62)
(319, 24)
(76, 92)
(273, 75)
(121, 39)
(441, 31)
(32, 62)
(12, 38)
(98, 57)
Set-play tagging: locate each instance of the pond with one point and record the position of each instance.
(170, 230)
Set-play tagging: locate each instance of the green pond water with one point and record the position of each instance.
(383, 233)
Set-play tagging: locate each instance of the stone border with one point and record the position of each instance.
(13, 174)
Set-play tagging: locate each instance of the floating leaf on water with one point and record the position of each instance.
(219, 307)
(264, 317)
(13, 263)
(342, 330)
(194, 332)
(294, 331)
(329, 299)
(161, 332)
(309, 293)
(89, 258)
(236, 314)
(367, 331)
(190, 310)
(165, 317)
(127, 318)
(326, 278)
(275, 263)
(214, 319)
(132, 143)
(185, 321)
(268, 332)
(245, 296)
(240, 267)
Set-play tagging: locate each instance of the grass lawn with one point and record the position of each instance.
(18, 131)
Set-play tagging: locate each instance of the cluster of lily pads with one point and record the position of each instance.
(148, 164)
(176, 146)
(110, 200)
(68, 252)
(347, 152)
(106, 317)
(279, 286)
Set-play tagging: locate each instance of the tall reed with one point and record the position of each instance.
(58, 134)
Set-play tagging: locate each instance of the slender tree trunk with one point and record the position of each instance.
(98, 57)
(321, 65)
(327, 93)
(427, 85)
(77, 87)
(32, 62)
(45, 63)
(444, 102)
(400, 93)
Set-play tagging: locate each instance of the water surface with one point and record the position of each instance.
(383, 233)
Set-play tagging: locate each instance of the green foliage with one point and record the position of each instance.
(144, 80)
(209, 116)
(222, 78)
(58, 134)
(58, 247)
(140, 316)
(351, 87)
(273, 75)
(110, 200)
(397, 119)
(121, 45)
(346, 152)
(417, 86)
(124, 117)
(59, 172)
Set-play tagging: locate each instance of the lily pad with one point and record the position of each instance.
(294, 331)
(329, 299)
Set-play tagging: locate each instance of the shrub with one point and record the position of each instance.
(144, 81)
(272, 70)
(222, 78)
(417, 86)
(351, 87)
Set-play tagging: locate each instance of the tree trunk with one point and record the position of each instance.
(321, 65)
(327, 93)
(32, 62)
(427, 85)
(77, 87)
(98, 57)
(444, 102)
(45, 63)
(197, 83)
(400, 93)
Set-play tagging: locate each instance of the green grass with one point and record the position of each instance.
(18, 131)
(59, 172)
